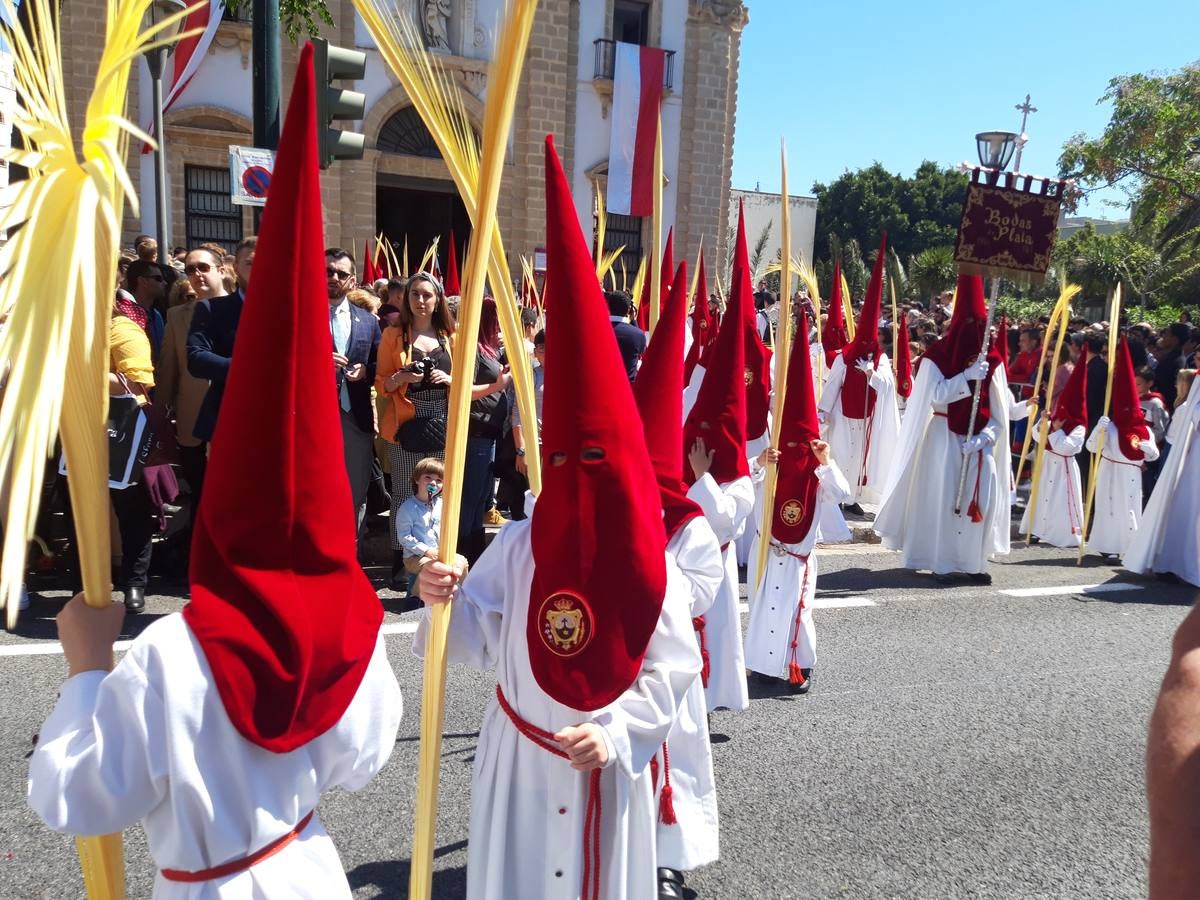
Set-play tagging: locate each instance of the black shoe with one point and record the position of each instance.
(670, 884)
(853, 509)
(979, 577)
(803, 688)
(135, 599)
(1034, 539)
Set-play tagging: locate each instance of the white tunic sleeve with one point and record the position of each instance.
(477, 612)
(697, 552)
(1068, 444)
(833, 385)
(947, 390)
(95, 769)
(725, 507)
(834, 487)
(1110, 437)
(638, 721)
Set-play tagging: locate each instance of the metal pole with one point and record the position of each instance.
(987, 334)
(156, 59)
(265, 75)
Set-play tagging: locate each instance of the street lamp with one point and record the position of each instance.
(156, 58)
(995, 149)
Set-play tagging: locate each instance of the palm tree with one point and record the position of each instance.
(933, 270)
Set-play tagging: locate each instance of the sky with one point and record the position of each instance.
(851, 82)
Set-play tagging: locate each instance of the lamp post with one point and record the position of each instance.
(156, 59)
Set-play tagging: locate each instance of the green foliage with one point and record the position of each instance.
(917, 213)
(932, 271)
(298, 17)
(760, 246)
(1151, 149)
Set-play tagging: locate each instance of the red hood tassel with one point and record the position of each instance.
(666, 801)
(795, 676)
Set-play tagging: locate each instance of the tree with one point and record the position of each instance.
(917, 213)
(297, 16)
(933, 271)
(1150, 149)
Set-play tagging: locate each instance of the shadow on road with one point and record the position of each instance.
(391, 876)
(37, 622)
(851, 579)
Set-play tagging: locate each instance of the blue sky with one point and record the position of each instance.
(848, 83)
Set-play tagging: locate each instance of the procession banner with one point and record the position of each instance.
(1008, 231)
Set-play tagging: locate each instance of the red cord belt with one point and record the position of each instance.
(238, 865)
(591, 819)
(699, 625)
(1076, 528)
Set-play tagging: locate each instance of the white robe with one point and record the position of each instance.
(847, 436)
(748, 531)
(1169, 537)
(693, 841)
(152, 741)
(527, 804)
(772, 625)
(726, 507)
(917, 515)
(1058, 519)
(1117, 506)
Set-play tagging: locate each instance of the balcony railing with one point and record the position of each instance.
(606, 61)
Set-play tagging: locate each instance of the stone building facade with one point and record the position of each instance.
(401, 186)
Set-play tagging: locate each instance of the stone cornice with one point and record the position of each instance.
(730, 14)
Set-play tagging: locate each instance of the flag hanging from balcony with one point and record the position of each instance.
(189, 53)
(637, 96)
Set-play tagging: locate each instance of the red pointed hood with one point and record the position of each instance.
(280, 606)
(1072, 402)
(833, 336)
(964, 335)
(369, 272)
(866, 334)
(597, 532)
(757, 358)
(452, 286)
(704, 324)
(658, 391)
(719, 414)
(796, 490)
(1126, 409)
(664, 283)
(858, 398)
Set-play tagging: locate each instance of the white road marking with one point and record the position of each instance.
(1068, 589)
(398, 628)
(828, 602)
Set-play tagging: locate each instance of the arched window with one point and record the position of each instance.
(405, 133)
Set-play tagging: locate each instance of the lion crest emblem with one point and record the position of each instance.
(792, 512)
(749, 376)
(566, 623)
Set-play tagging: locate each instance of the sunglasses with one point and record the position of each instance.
(202, 267)
(331, 272)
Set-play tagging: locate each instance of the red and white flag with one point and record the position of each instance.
(637, 96)
(189, 53)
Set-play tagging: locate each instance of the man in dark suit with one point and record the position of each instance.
(355, 336)
(1097, 382)
(214, 323)
(631, 340)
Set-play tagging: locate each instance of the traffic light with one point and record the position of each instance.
(329, 64)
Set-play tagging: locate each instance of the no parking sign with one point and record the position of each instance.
(250, 175)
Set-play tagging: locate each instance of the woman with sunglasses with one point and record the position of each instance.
(413, 371)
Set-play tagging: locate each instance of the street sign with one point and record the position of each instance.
(250, 174)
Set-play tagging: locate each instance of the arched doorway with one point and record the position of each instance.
(414, 207)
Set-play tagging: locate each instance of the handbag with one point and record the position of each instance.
(130, 440)
(423, 434)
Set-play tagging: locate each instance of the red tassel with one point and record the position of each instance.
(974, 512)
(698, 624)
(666, 806)
(795, 676)
(654, 772)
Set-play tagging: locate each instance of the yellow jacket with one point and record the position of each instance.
(129, 351)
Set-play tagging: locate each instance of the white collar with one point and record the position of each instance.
(343, 307)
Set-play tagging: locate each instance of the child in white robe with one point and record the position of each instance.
(1117, 507)
(222, 725)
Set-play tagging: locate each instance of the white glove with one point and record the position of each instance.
(975, 444)
(1102, 423)
(978, 370)
(866, 365)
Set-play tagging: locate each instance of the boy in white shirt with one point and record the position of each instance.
(419, 518)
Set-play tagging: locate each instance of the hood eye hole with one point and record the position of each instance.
(557, 459)
(592, 454)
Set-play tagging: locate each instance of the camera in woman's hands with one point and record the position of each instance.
(424, 368)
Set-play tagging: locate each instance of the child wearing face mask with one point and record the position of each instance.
(419, 519)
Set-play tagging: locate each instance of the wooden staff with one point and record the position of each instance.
(895, 331)
(783, 351)
(1044, 424)
(1114, 318)
(656, 220)
(504, 78)
(848, 308)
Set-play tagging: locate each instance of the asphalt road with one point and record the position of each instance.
(959, 741)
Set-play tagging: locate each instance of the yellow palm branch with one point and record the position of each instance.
(607, 261)
(601, 231)
(59, 271)
(639, 281)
